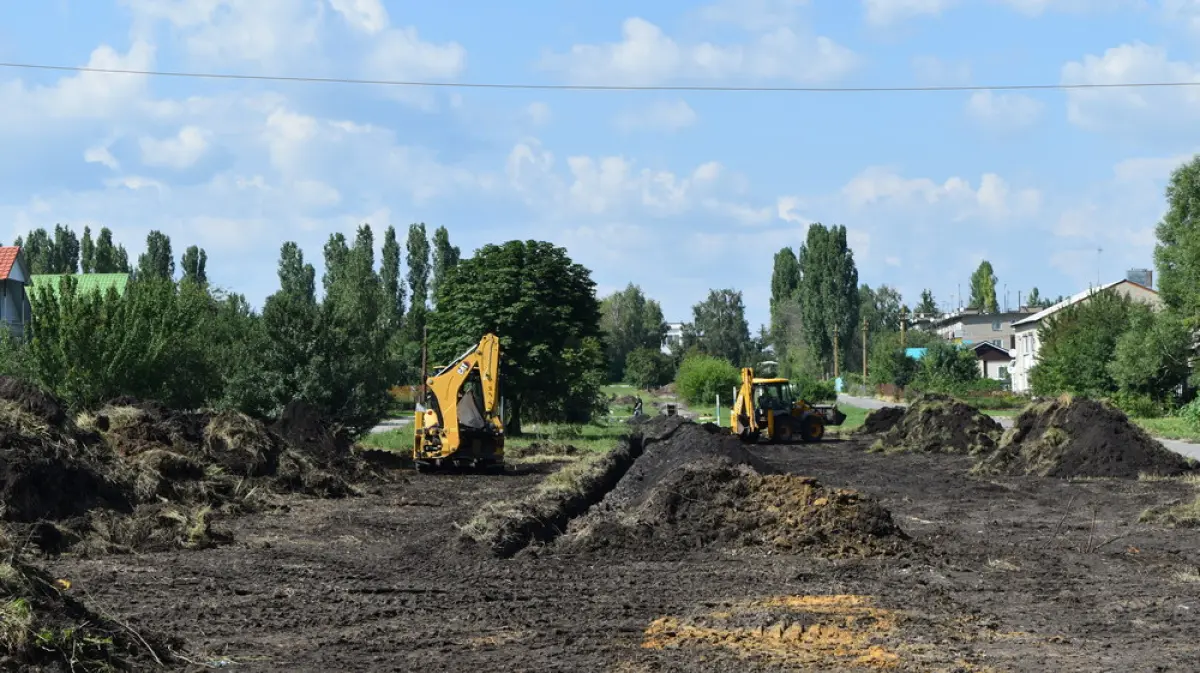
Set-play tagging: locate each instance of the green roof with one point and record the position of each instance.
(84, 282)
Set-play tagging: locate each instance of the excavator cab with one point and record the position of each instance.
(460, 424)
(772, 408)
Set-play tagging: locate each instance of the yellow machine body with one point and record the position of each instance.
(461, 422)
(770, 408)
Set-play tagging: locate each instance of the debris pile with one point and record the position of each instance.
(881, 420)
(936, 423)
(1076, 437)
(694, 488)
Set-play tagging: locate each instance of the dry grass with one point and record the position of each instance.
(1174, 515)
(22, 422)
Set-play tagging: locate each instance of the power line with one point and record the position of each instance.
(598, 87)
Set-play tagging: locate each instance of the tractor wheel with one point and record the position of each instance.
(783, 431)
(812, 429)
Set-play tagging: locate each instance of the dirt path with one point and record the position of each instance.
(1014, 577)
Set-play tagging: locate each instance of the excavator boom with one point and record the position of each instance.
(462, 423)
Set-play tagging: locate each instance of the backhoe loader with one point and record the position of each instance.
(771, 408)
(459, 422)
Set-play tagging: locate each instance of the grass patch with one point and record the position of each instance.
(596, 437)
(1169, 427)
(855, 416)
(399, 440)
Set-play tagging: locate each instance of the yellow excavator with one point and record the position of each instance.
(459, 421)
(771, 408)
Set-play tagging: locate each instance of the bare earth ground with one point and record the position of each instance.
(1019, 574)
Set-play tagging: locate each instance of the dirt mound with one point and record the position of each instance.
(303, 427)
(1081, 438)
(32, 400)
(881, 420)
(624, 400)
(936, 423)
(717, 503)
(44, 628)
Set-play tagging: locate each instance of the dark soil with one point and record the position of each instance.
(881, 420)
(32, 400)
(1008, 574)
(1081, 438)
(935, 423)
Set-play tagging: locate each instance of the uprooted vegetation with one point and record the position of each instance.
(139, 476)
(1078, 437)
(675, 485)
(936, 423)
(43, 627)
(880, 421)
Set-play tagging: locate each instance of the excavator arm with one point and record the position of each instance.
(744, 418)
(440, 429)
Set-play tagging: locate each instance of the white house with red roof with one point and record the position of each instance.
(15, 311)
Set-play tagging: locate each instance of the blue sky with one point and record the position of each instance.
(678, 193)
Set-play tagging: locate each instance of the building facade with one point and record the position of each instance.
(969, 327)
(15, 312)
(674, 336)
(1028, 341)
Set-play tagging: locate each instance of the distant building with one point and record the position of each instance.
(1029, 341)
(969, 327)
(674, 336)
(1143, 277)
(994, 362)
(15, 312)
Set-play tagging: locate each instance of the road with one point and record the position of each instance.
(1183, 448)
(392, 424)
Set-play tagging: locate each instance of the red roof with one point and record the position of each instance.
(8, 257)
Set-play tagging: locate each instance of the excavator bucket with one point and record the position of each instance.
(831, 414)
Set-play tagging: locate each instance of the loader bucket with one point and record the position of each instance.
(831, 414)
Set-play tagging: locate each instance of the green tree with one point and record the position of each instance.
(630, 321)
(64, 252)
(445, 257)
(702, 378)
(785, 306)
(418, 279)
(720, 325)
(983, 289)
(543, 307)
(1151, 356)
(1077, 342)
(1036, 300)
(828, 291)
(157, 261)
(38, 250)
(193, 262)
(946, 367)
(88, 251)
(389, 274)
(108, 257)
(1177, 254)
(927, 306)
(649, 368)
(295, 276)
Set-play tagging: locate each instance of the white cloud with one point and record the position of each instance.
(753, 15)
(368, 16)
(267, 33)
(1137, 62)
(647, 56)
(993, 198)
(658, 116)
(538, 113)
(1003, 111)
(99, 154)
(178, 152)
(932, 70)
(401, 54)
(885, 12)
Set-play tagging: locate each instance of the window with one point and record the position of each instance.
(995, 325)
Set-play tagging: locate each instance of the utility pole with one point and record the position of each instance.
(864, 351)
(903, 325)
(835, 351)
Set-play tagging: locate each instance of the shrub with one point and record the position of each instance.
(1190, 412)
(702, 377)
(1138, 405)
(648, 368)
(814, 391)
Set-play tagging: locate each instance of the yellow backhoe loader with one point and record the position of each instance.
(458, 423)
(771, 408)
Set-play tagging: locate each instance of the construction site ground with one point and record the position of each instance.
(1007, 574)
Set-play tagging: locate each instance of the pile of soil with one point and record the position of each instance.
(624, 401)
(693, 487)
(881, 420)
(1081, 438)
(936, 423)
(44, 628)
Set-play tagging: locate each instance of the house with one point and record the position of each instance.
(674, 336)
(969, 327)
(15, 312)
(1028, 341)
(994, 361)
(84, 282)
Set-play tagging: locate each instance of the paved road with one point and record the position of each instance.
(392, 424)
(1185, 448)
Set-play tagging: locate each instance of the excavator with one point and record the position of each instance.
(772, 405)
(459, 423)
